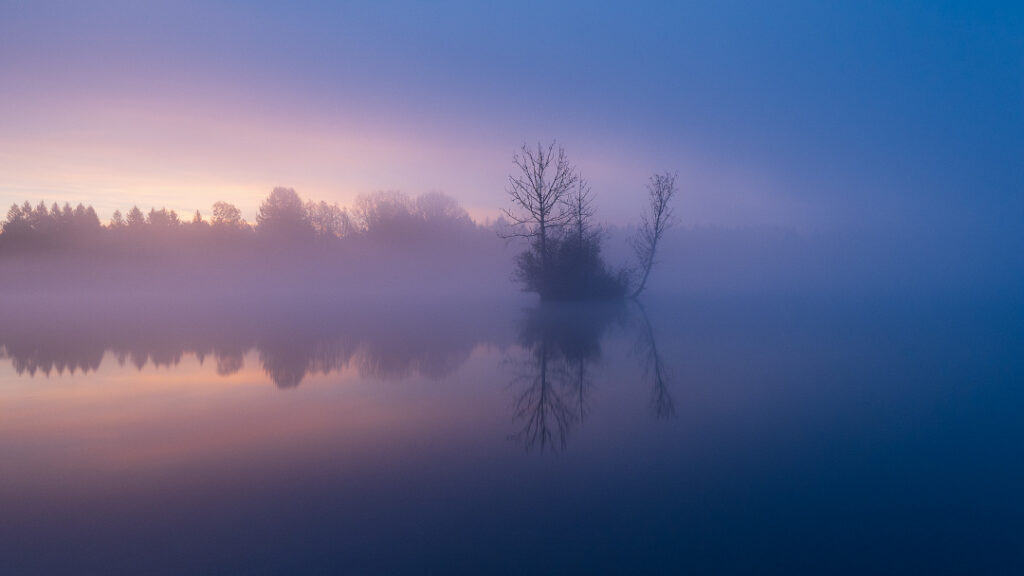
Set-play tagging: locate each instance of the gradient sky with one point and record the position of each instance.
(804, 114)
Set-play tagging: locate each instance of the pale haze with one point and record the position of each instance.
(516, 288)
(800, 115)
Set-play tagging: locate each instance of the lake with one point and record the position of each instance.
(727, 435)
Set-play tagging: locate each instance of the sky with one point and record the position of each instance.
(808, 115)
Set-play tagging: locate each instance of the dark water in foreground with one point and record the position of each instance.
(726, 436)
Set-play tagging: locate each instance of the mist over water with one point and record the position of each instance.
(220, 399)
(484, 288)
(305, 435)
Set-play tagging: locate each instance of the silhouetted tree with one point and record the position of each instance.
(40, 227)
(328, 220)
(537, 192)
(657, 217)
(196, 232)
(16, 224)
(226, 216)
(552, 208)
(393, 216)
(439, 209)
(284, 215)
(67, 216)
(41, 221)
(135, 219)
(116, 220)
(87, 223)
(163, 219)
(386, 213)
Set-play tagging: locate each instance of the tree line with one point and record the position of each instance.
(551, 211)
(283, 217)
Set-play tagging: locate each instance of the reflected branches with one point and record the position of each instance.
(551, 373)
(552, 356)
(551, 383)
(654, 369)
(542, 403)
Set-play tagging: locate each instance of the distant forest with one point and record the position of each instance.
(283, 219)
(385, 243)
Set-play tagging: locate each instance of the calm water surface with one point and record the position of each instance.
(731, 435)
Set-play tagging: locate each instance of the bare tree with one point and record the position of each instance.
(538, 192)
(655, 219)
(579, 205)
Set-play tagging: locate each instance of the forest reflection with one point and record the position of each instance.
(551, 353)
(291, 342)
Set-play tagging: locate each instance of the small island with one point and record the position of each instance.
(552, 209)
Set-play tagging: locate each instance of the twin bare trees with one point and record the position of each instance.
(552, 208)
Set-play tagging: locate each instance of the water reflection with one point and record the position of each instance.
(560, 349)
(655, 369)
(819, 419)
(292, 342)
(551, 352)
(560, 345)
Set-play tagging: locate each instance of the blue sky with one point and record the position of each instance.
(800, 114)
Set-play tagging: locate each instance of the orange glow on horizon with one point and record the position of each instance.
(121, 418)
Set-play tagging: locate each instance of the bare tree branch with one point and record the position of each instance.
(537, 192)
(657, 217)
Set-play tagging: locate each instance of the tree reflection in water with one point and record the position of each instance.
(560, 347)
(292, 342)
(655, 369)
(560, 343)
(552, 354)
